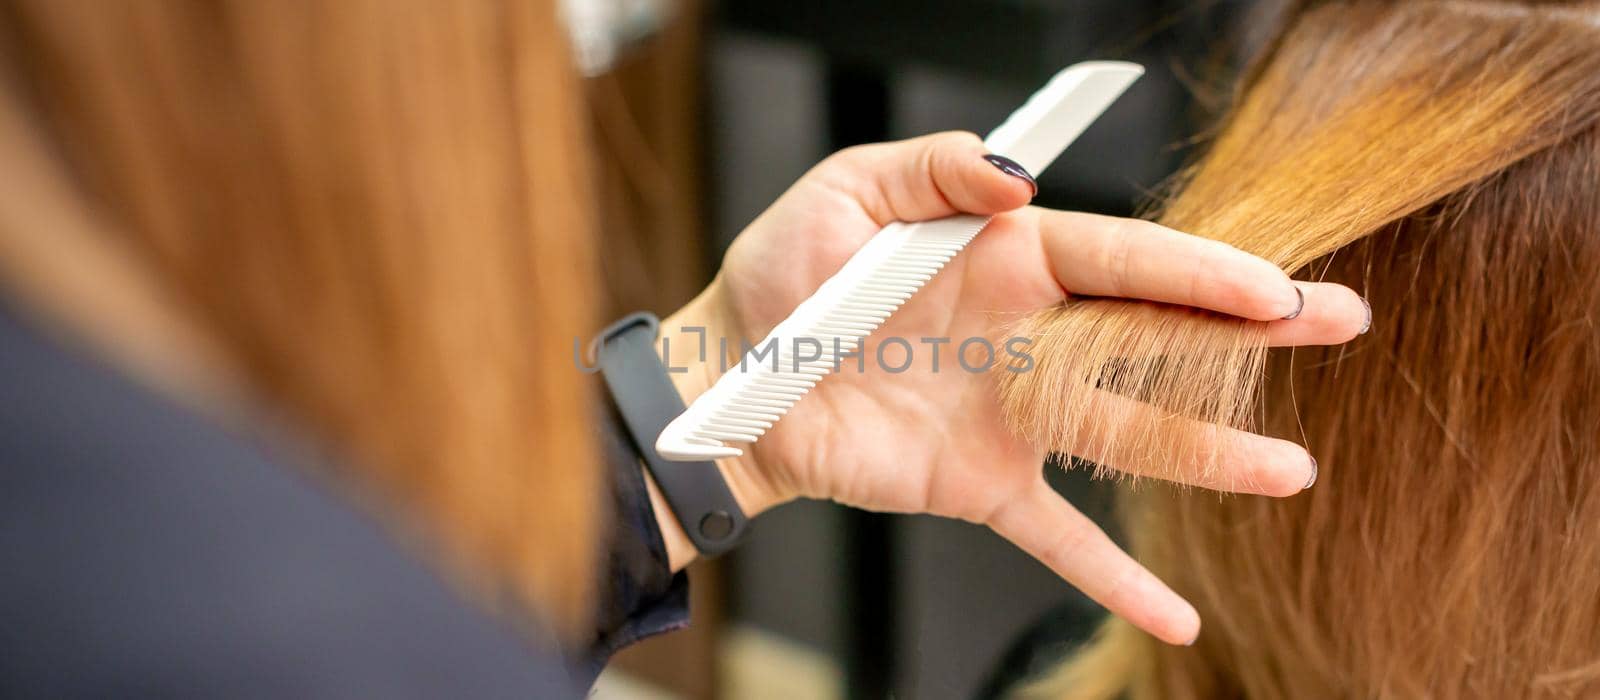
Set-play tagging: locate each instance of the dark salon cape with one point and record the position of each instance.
(144, 551)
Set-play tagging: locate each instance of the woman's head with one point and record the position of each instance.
(1442, 158)
(372, 215)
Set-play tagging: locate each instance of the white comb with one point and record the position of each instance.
(753, 395)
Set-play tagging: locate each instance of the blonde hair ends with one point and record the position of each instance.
(1441, 157)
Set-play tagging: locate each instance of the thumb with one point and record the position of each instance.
(929, 177)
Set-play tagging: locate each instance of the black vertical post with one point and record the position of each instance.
(858, 112)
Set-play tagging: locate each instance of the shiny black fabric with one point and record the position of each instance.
(144, 551)
(642, 597)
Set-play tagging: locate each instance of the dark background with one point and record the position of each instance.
(917, 607)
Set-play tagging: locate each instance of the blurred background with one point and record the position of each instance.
(704, 112)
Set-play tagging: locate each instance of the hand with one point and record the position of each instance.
(921, 441)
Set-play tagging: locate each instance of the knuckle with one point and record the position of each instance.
(1067, 546)
(1146, 230)
(1229, 278)
(956, 139)
(1118, 254)
(1117, 589)
(1232, 291)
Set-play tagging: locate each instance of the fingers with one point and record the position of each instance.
(1109, 256)
(926, 178)
(1198, 454)
(1052, 531)
(1333, 314)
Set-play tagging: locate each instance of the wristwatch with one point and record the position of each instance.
(646, 400)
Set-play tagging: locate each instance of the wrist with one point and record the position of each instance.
(696, 343)
(680, 549)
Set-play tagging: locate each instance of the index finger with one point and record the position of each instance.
(1115, 257)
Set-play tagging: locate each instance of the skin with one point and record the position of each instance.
(921, 441)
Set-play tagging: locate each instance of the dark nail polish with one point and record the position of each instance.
(1301, 306)
(1367, 325)
(1313, 478)
(1012, 168)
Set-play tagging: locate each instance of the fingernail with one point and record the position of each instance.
(1192, 640)
(1300, 305)
(1012, 168)
(1313, 478)
(1366, 326)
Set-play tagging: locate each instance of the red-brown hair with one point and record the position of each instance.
(373, 215)
(1443, 158)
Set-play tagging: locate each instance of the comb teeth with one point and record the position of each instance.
(753, 395)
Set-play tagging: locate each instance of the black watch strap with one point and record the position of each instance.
(647, 401)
